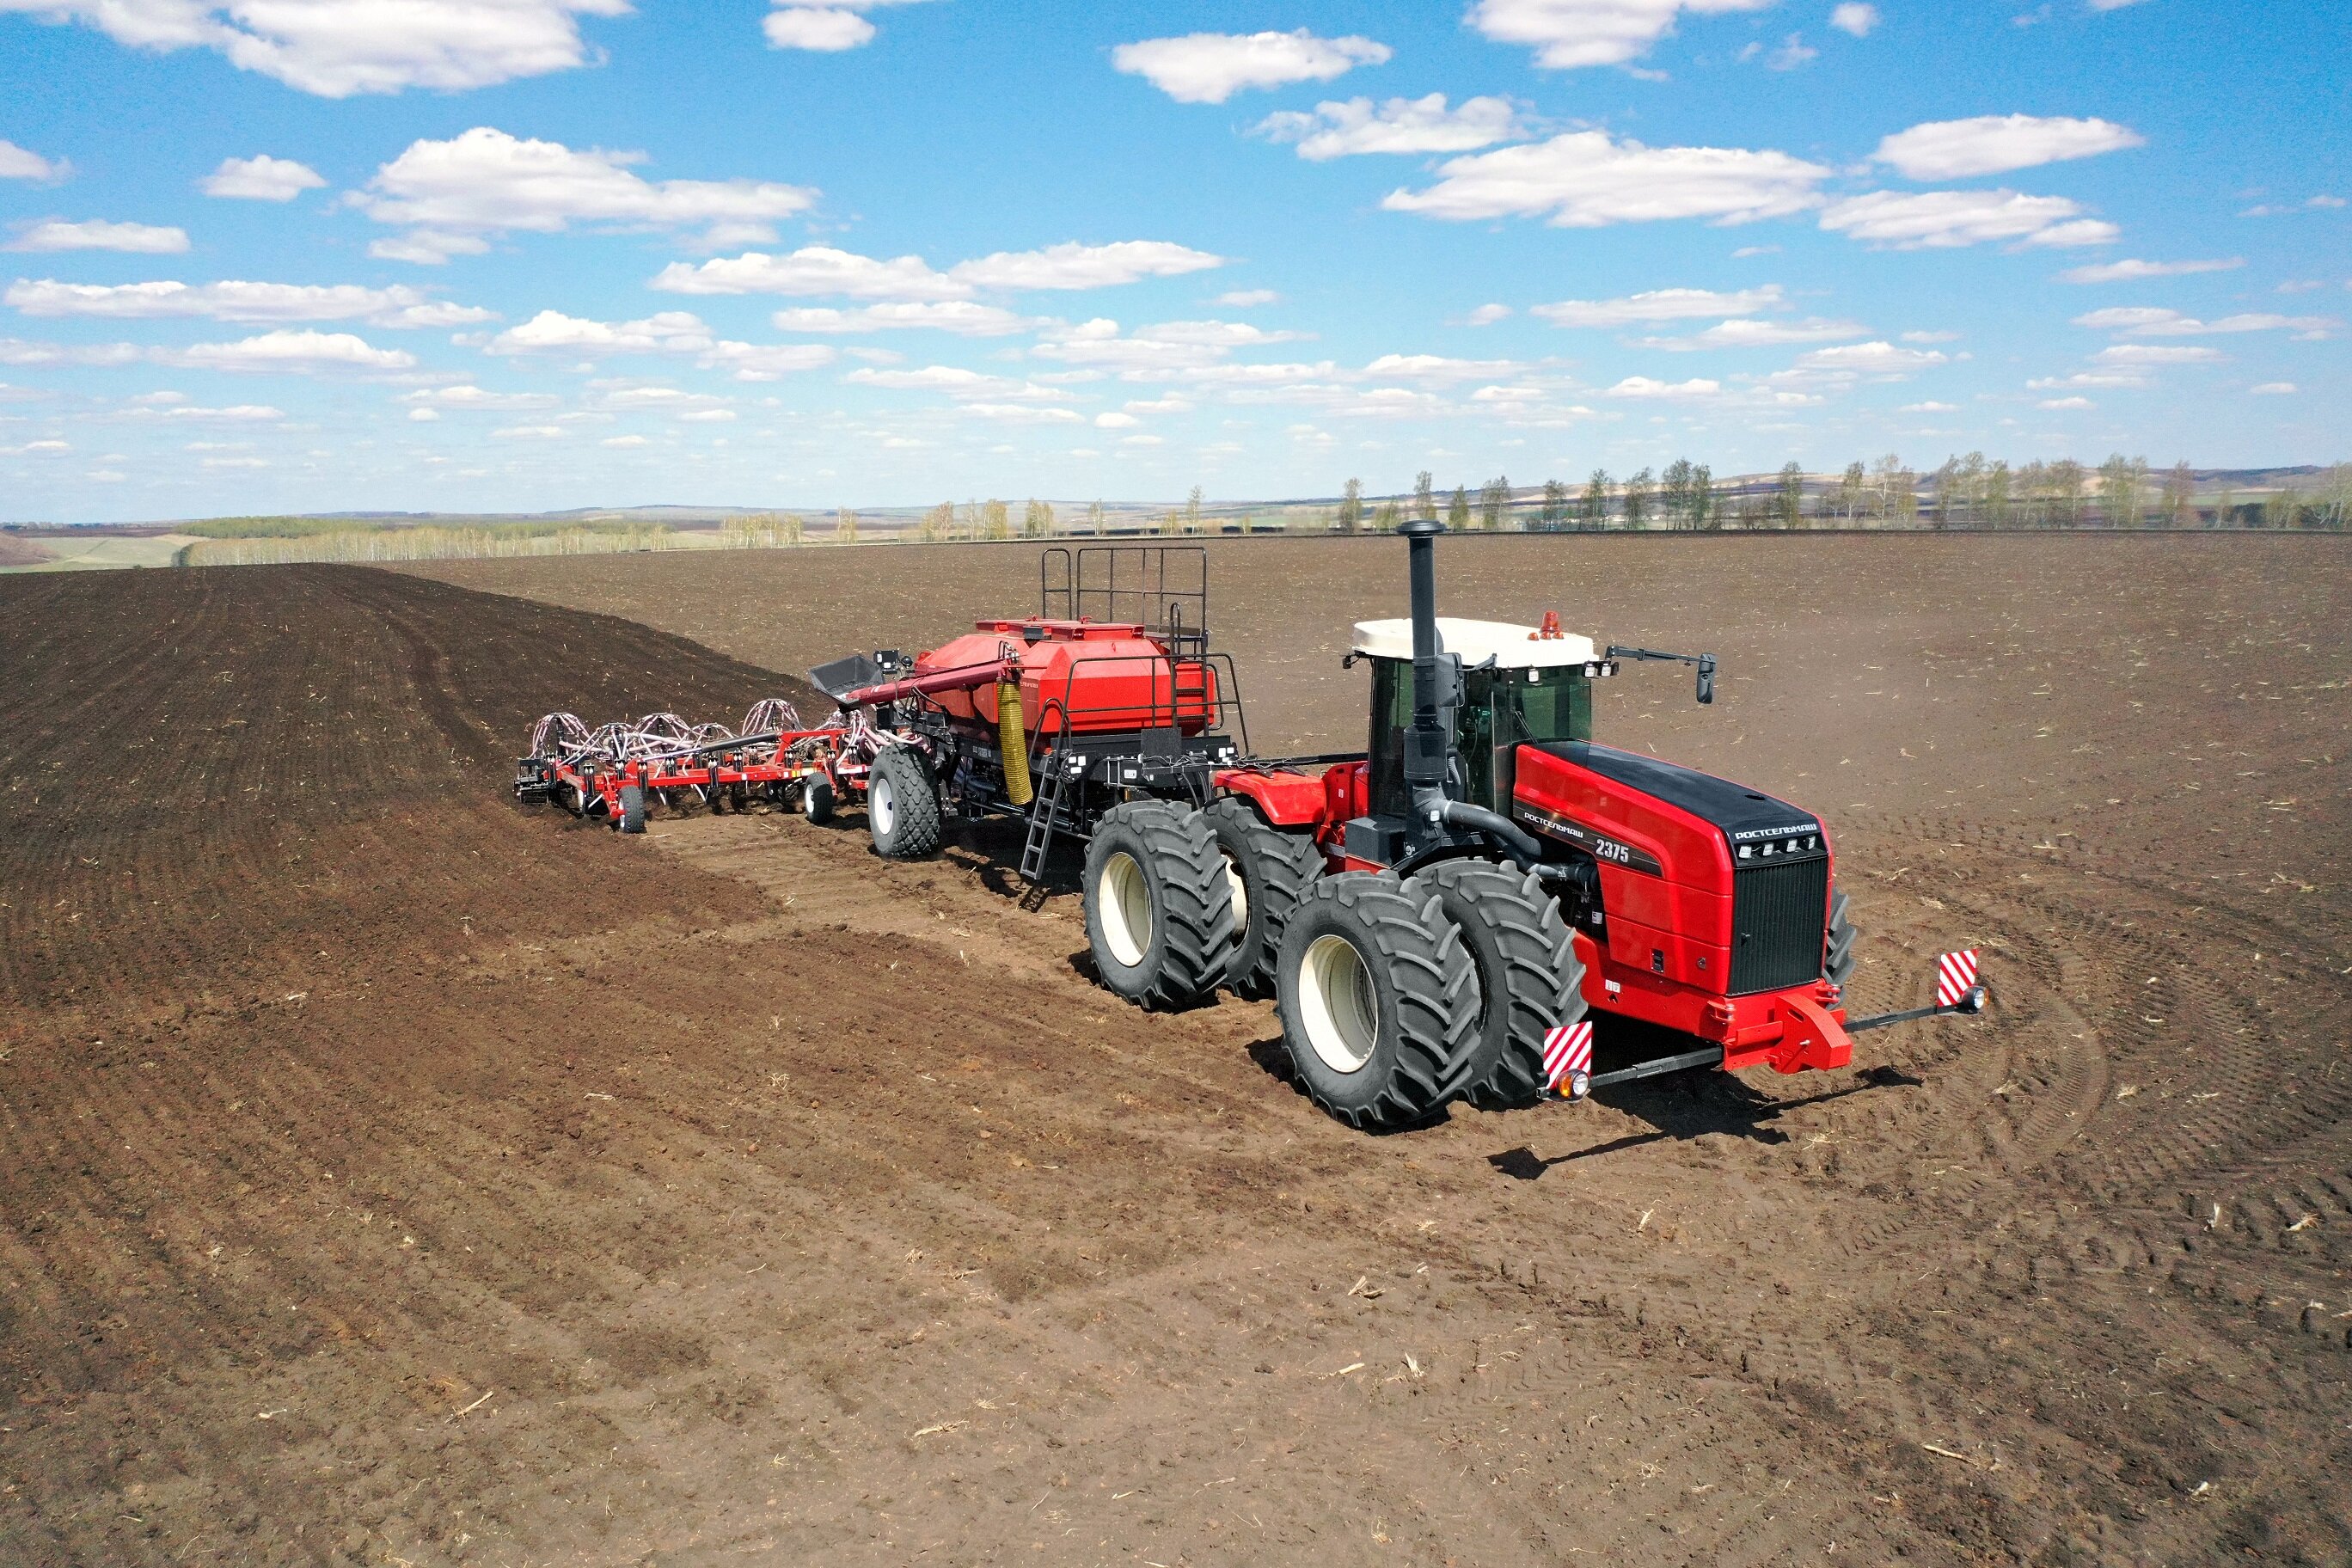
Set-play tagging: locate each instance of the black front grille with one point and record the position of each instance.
(1778, 917)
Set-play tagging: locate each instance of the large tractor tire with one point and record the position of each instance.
(633, 809)
(1269, 870)
(1838, 955)
(1378, 1000)
(1160, 913)
(902, 805)
(1530, 979)
(817, 799)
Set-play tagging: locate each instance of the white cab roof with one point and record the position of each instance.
(1512, 648)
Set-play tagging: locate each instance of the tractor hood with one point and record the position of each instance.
(1608, 803)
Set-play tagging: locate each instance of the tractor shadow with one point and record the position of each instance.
(1697, 1102)
(990, 851)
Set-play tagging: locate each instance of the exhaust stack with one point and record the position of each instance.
(1429, 746)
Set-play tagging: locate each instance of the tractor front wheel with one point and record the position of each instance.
(1160, 913)
(902, 807)
(1838, 955)
(1269, 871)
(1529, 979)
(1378, 1000)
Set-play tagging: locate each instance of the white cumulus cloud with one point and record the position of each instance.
(289, 351)
(1569, 34)
(335, 48)
(826, 27)
(1586, 179)
(1075, 265)
(819, 269)
(812, 269)
(2156, 322)
(666, 332)
(1996, 144)
(2155, 354)
(487, 181)
(1649, 387)
(827, 30)
(1660, 305)
(1749, 334)
(2134, 271)
(18, 164)
(255, 303)
(260, 179)
(1869, 359)
(965, 318)
(97, 234)
(1927, 220)
(1341, 130)
(1856, 19)
(467, 397)
(1210, 68)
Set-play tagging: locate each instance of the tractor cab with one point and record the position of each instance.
(1520, 684)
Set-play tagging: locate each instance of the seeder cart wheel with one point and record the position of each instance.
(1269, 871)
(1378, 1000)
(633, 809)
(902, 807)
(1529, 979)
(1838, 957)
(1160, 913)
(816, 799)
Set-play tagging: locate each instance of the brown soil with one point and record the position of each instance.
(395, 1175)
(19, 551)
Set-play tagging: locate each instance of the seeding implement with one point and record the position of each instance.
(1440, 916)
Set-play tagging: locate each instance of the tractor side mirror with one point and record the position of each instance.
(1707, 678)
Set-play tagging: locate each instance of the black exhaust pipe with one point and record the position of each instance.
(1429, 747)
(1430, 750)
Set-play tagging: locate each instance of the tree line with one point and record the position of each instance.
(1968, 492)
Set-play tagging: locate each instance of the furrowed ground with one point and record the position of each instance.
(394, 1175)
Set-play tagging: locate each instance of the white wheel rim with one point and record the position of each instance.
(883, 803)
(1124, 897)
(1240, 898)
(1336, 1005)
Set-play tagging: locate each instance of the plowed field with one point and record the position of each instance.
(389, 1175)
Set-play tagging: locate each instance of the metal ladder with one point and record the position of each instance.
(1048, 816)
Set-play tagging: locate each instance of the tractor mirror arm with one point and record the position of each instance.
(1706, 662)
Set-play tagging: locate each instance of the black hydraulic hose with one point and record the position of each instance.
(1495, 826)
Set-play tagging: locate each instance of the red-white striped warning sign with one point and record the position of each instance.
(1568, 1052)
(1955, 973)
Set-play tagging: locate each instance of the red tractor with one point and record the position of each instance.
(1435, 917)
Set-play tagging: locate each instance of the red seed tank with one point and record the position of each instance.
(1107, 676)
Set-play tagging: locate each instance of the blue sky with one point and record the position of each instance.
(448, 254)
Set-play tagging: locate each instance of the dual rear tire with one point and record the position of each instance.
(1397, 998)
(1378, 1000)
(1160, 909)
